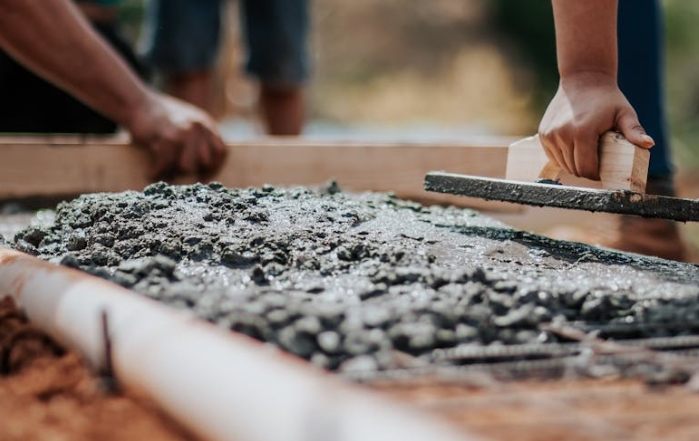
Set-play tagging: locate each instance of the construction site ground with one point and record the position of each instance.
(574, 410)
(49, 393)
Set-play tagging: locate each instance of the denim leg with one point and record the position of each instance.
(276, 33)
(183, 35)
(641, 65)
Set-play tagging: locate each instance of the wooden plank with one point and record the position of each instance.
(623, 166)
(43, 166)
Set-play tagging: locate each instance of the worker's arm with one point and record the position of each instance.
(54, 40)
(588, 101)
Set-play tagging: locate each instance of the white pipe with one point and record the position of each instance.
(219, 384)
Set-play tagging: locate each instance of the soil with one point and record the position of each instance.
(46, 393)
(361, 283)
(577, 410)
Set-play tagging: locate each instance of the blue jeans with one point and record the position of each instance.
(184, 36)
(641, 64)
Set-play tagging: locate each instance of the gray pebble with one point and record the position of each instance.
(363, 363)
(357, 343)
(300, 344)
(309, 325)
(330, 342)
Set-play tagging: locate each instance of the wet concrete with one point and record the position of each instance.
(561, 196)
(360, 282)
(11, 224)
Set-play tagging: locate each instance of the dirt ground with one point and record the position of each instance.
(573, 410)
(46, 394)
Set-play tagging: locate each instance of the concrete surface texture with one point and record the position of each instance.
(372, 286)
(350, 280)
(361, 283)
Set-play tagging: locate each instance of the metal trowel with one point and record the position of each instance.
(531, 179)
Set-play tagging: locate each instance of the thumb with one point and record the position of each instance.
(632, 130)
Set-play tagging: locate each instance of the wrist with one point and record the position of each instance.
(589, 78)
(142, 115)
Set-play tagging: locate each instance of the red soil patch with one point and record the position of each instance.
(48, 394)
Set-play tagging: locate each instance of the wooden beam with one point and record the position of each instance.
(45, 166)
(623, 166)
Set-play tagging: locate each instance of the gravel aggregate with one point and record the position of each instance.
(357, 282)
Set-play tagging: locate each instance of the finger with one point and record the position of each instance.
(633, 131)
(205, 151)
(551, 143)
(163, 157)
(567, 153)
(203, 158)
(586, 155)
(219, 149)
(187, 160)
(219, 152)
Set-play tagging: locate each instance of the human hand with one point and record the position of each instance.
(586, 106)
(181, 138)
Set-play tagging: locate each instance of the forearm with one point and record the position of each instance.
(586, 37)
(588, 102)
(53, 39)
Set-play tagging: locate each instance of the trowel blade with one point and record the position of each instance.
(562, 196)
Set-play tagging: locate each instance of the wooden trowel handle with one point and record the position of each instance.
(623, 166)
(550, 172)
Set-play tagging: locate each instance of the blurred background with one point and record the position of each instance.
(442, 68)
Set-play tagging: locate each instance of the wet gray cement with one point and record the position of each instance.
(360, 282)
(561, 196)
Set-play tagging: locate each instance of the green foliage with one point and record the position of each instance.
(528, 27)
(131, 15)
(681, 18)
